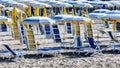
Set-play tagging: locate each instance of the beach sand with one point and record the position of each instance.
(66, 59)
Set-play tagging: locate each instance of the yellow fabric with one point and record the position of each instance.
(45, 13)
(77, 29)
(29, 10)
(14, 13)
(72, 12)
(20, 18)
(89, 30)
(64, 11)
(36, 11)
(114, 26)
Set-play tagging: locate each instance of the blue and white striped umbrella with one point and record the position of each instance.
(60, 17)
(73, 2)
(111, 16)
(2, 5)
(98, 13)
(54, 2)
(41, 4)
(38, 19)
(11, 8)
(62, 5)
(84, 5)
(113, 12)
(17, 4)
(3, 18)
(43, 0)
(77, 18)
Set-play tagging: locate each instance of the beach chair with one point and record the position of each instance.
(45, 50)
(3, 27)
(41, 29)
(47, 31)
(114, 41)
(91, 48)
(56, 36)
(68, 28)
(11, 52)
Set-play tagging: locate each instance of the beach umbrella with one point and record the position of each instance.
(4, 19)
(20, 5)
(11, 8)
(83, 5)
(1, 6)
(60, 18)
(44, 0)
(112, 17)
(98, 13)
(38, 20)
(76, 19)
(73, 2)
(62, 5)
(53, 2)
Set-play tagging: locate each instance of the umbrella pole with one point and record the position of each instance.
(114, 26)
(89, 30)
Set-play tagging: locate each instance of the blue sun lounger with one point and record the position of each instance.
(48, 50)
(92, 48)
(10, 52)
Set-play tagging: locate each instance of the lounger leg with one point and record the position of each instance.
(42, 55)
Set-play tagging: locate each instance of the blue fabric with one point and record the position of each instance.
(79, 42)
(68, 28)
(91, 42)
(118, 26)
(48, 49)
(110, 34)
(22, 32)
(9, 49)
(41, 29)
(56, 34)
(3, 27)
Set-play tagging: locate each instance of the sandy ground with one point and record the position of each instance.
(66, 59)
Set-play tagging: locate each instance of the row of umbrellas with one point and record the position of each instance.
(49, 3)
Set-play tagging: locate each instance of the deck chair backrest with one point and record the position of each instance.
(56, 33)
(41, 29)
(3, 27)
(91, 42)
(78, 41)
(22, 33)
(68, 28)
(9, 49)
(111, 36)
(47, 31)
(118, 26)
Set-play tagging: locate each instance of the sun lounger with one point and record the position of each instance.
(11, 52)
(48, 50)
(92, 48)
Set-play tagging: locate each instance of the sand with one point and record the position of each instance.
(66, 59)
